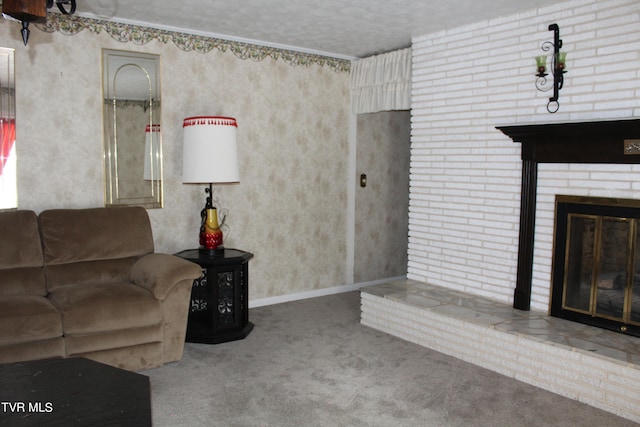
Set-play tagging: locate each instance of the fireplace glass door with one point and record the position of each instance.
(599, 282)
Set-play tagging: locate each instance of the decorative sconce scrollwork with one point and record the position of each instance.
(558, 68)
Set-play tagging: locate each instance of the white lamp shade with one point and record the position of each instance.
(152, 153)
(210, 153)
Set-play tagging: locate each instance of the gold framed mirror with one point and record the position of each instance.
(132, 129)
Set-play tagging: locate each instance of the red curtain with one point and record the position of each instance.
(7, 138)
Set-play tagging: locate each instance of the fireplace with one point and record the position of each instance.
(596, 262)
(613, 142)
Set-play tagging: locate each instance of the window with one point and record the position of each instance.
(8, 172)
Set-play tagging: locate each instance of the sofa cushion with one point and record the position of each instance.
(76, 344)
(25, 318)
(133, 358)
(34, 350)
(89, 272)
(21, 257)
(73, 235)
(105, 307)
(21, 281)
(20, 243)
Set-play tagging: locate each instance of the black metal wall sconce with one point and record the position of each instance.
(558, 66)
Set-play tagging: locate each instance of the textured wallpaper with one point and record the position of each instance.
(383, 151)
(290, 207)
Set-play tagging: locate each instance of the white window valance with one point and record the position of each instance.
(381, 82)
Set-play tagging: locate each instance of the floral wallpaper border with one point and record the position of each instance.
(127, 33)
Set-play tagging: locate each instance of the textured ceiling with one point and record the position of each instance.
(341, 28)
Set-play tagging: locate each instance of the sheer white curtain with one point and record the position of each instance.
(381, 82)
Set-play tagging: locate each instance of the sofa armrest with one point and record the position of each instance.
(159, 273)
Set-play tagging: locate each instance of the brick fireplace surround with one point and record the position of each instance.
(592, 365)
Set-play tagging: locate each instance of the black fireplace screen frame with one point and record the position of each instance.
(596, 207)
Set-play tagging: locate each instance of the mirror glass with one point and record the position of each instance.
(8, 173)
(132, 136)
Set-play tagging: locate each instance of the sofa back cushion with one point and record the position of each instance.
(97, 245)
(20, 254)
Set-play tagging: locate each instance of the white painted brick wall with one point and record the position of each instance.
(465, 174)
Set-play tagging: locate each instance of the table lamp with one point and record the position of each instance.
(210, 156)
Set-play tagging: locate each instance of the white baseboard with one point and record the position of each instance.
(319, 292)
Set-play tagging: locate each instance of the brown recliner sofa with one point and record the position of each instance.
(87, 283)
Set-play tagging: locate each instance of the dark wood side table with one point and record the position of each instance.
(220, 298)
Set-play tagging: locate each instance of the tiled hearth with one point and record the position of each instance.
(595, 366)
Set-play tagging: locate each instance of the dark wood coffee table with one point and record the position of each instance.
(72, 392)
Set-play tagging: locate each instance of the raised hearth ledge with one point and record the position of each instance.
(595, 366)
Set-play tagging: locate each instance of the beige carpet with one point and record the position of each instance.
(310, 363)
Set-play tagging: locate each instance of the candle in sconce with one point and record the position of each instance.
(541, 62)
(561, 60)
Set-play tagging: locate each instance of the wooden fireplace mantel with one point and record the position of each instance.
(614, 142)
